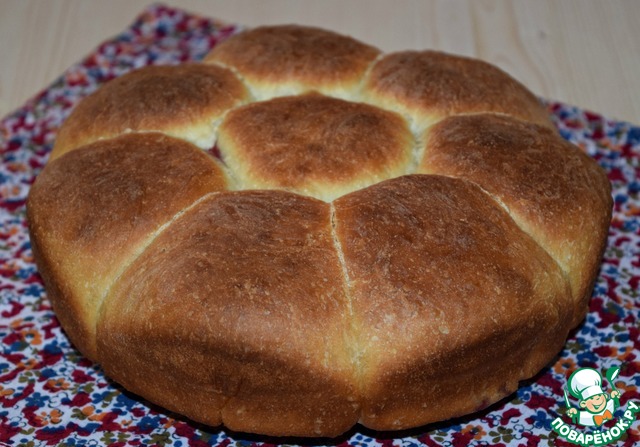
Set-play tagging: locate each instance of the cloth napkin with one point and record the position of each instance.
(51, 395)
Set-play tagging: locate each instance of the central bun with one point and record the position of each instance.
(302, 233)
(314, 145)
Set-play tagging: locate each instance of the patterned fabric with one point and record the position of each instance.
(51, 395)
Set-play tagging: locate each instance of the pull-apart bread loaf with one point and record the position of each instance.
(301, 233)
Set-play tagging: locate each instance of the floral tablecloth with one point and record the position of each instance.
(51, 395)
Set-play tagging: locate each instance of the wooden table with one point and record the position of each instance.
(582, 52)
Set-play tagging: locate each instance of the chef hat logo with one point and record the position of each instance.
(585, 383)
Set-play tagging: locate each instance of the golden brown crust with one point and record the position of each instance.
(411, 300)
(430, 85)
(452, 302)
(548, 185)
(91, 211)
(315, 145)
(183, 101)
(290, 59)
(240, 307)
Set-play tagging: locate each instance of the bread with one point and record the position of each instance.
(301, 233)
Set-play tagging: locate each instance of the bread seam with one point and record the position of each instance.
(252, 96)
(233, 182)
(417, 152)
(214, 125)
(352, 340)
(143, 247)
(502, 205)
(517, 118)
(359, 89)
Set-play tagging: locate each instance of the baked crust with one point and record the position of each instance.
(240, 302)
(314, 145)
(427, 86)
(459, 246)
(547, 184)
(92, 211)
(289, 59)
(452, 303)
(149, 99)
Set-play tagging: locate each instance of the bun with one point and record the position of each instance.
(301, 233)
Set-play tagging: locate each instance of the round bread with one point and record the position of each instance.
(300, 234)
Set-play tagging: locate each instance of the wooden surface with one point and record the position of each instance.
(582, 52)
